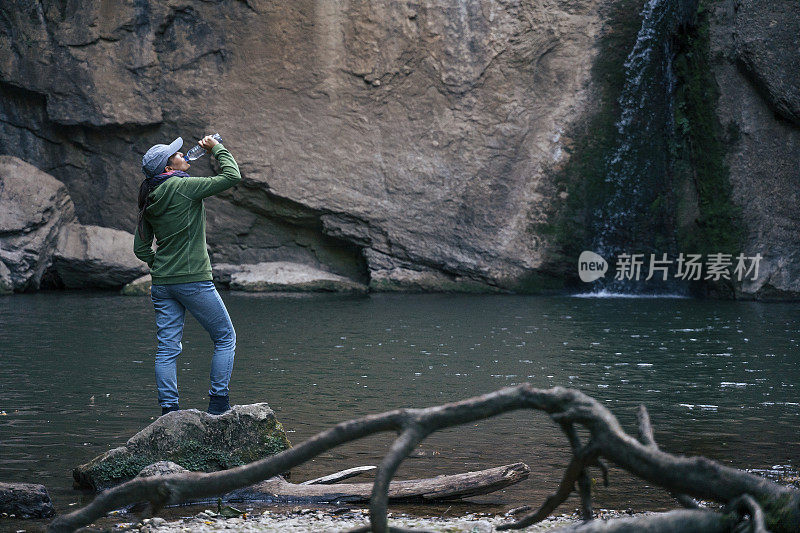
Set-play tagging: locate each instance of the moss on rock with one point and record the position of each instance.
(696, 212)
(138, 287)
(192, 439)
(712, 222)
(580, 182)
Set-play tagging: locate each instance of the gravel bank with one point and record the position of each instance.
(312, 520)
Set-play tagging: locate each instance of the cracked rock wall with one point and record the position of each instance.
(422, 133)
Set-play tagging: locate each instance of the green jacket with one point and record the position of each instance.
(177, 218)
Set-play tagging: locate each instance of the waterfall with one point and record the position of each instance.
(634, 215)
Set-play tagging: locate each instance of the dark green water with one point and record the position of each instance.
(719, 378)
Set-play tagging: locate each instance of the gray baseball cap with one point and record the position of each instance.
(156, 158)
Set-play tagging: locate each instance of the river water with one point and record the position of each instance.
(720, 378)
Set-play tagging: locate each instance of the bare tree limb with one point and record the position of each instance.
(647, 437)
(571, 475)
(697, 477)
(584, 481)
(746, 504)
(603, 470)
(428, 489)
(404, 445)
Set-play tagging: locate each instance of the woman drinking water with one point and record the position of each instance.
(171, 210)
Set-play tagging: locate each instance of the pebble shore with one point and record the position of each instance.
(341, 520)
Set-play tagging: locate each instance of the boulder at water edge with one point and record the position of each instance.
(192, 439)
(94, 256)
(34, 206)
(282, 276)
(25, 500)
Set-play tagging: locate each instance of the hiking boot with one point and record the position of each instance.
(165, 410)
(218, 404)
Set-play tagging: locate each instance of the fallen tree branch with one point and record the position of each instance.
(437, 488)
(404, 445)
(745, 504)
(647, 437)
(571, 475)
(697, 477)
(586, 456)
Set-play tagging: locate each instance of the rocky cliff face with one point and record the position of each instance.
(413, 139)
(755, 46)
(401, 144)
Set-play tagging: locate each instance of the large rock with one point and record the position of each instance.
(34, 207)
(290, 277)
(93, 256)
(281, 276)
(191, 439)
(759, 98)
(426, 131)
(25, 500)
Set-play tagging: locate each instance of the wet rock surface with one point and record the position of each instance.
(6, 283)
(265, 277)
(42, 243)
(390, 274)
(25, 500)
(162, 468)
(192, 439)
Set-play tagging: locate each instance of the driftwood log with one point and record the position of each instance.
(751, 503)
(327, 490)
(450, 487)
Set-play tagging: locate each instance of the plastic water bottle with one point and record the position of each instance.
(198, 151)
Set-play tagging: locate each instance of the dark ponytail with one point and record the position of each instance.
(144, 192)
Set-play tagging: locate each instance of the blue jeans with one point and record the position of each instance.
(203, 301)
